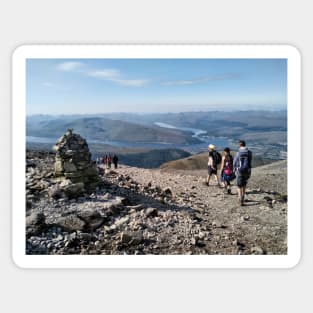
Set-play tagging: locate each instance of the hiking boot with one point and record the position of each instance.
(229, 191)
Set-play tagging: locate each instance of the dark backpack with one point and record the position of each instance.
(217, 158)
(244, 162)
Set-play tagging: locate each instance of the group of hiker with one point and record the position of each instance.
(238, 168)
(231, 168)
(107, 161)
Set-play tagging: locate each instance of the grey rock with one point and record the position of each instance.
(245, 218)
(131, 238)
(56, 192)
(257, 250)
(35, 224)
(168, 191)
(35, 218)
(151, 212)
(74, 190)
(70, 222)
(93, 219)
(119, 222)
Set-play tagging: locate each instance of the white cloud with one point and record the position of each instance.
(109, 74)
(199, 80)
(47, 84)
(105, 74)
(184, 82)
(69, 66)
(131, 82)
(115, 76)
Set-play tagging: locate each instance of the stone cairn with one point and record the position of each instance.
(74, 170)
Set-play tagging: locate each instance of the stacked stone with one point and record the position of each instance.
(73, 166)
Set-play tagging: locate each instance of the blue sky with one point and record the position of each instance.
(80, 86)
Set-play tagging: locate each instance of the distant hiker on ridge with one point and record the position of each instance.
(105, 161)
(242, 164)
(227, 173)
(213, 160)
(115, 161)
(109, 161)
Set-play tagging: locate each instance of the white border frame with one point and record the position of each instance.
(155, 51)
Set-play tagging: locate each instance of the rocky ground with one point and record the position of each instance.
(144, 211)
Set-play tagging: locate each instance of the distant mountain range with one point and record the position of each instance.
(258, 126)
(104, 129)
(268, 127)
(140, 142)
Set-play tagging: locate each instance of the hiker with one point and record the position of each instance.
(109, 161)
(242, 165)
(227, 173)
(105, 161)
(213, 160)
(115, 161)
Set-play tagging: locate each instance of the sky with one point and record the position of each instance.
(95, 86)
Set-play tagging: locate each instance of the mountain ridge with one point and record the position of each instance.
(151, 211)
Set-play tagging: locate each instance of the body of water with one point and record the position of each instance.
(219, 142)
(196, 132)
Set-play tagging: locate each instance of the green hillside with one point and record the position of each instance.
(200, 161)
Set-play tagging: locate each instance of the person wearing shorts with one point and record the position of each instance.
(242, 164)
(227, 175)
(212, 167)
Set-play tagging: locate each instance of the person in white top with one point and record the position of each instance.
(212, 165)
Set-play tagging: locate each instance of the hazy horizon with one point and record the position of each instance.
(278, 109)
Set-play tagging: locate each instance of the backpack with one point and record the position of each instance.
(228, 168)
(217, 158)
(244, 163)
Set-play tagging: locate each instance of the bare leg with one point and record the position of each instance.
(240, 195)
(243, 192)
(216, 179)
(208, 180)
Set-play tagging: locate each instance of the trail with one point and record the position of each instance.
(152, 211)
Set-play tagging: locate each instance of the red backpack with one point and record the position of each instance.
(228, 165)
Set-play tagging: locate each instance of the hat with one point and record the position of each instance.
(211, 147)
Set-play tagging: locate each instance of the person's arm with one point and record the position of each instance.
(250, 158)
(235, 164)
(210, 161)
(222, 165)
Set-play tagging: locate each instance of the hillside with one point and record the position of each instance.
(152, 211)
(261, 127)
(103, 129)
(140, 157)
(200, 161)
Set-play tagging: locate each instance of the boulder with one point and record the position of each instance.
(74, 190)
(35, 224)
(70, 222)
(131, 238)
(56, 192)
(93, 219)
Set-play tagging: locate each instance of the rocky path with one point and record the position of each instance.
(260, 225)
(143, 211)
